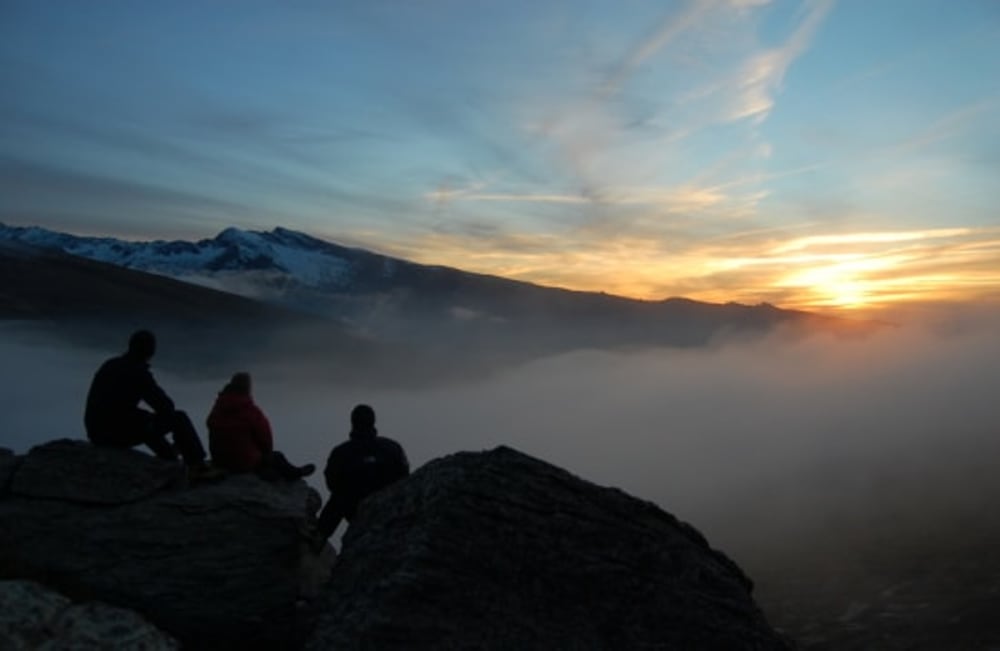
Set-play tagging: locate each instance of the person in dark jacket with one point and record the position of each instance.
(357, 468)
(239, 435)
(113, 416)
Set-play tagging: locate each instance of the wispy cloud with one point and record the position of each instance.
(608, 162)
(695, 12)
(65, 197)
(948, 126)
(439, 196)
(676, 198)
(762, 75)
(823, 241)
(592, 133)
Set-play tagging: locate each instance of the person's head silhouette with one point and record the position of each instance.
(241, 384)
(363, 418)
(142, 345)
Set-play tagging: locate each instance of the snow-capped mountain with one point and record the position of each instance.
(281, 252)
(366, 290)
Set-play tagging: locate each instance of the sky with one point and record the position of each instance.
(819, 154)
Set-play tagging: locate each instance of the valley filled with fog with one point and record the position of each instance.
(780, 450)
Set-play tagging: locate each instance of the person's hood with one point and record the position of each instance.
(232, 402)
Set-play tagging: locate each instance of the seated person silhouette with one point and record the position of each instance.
(113, 416)
(357, 468)
(239, 435)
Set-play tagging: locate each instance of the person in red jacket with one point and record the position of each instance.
(239, 435)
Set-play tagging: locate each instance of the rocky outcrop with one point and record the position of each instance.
(498, 550)
(8, 462)
(221, 565)
(34, 617)
(492, 550)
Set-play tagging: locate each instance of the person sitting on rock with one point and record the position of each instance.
(239, 435)
(113, 416)
(357, 468)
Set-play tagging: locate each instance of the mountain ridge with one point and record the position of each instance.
(236, 249)
(441, 309)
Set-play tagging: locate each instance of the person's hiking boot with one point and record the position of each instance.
(306, 470)
(203, 472)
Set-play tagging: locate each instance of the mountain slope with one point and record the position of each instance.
(98, 304)
(398, 300)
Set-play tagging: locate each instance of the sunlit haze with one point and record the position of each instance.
(813, 154)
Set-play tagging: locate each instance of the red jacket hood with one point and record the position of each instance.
(238, 433)
(232, 402)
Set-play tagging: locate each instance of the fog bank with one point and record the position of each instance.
(736, 439)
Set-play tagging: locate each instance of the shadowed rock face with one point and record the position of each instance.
(8, 463)
(34, 617)
(82, 474)
(498, 550)
(217, 566)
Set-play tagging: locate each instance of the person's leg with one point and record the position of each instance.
(136, 428)
(119, 437)
(330, 517)
(185, 437)
(277, 466)
(269, 470)
(161, 447)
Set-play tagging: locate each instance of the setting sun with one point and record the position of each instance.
(838, 285)
(844, 294)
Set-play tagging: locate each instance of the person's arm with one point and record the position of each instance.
(402, 463)
(153, 395)
(332, 470)
(262, 431)
(212, 422)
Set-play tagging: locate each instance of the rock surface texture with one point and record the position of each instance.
(34, 617)
(221, 565)
(498, 550)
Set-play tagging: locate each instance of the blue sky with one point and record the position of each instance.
(809, 153)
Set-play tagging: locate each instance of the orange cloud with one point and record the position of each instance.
(826, 271)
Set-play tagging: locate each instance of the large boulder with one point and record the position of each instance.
(498, 550)
(220, 565)
(35, 617)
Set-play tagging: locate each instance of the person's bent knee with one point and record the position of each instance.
(179, 420)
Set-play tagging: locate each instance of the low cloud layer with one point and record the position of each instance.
(735, 439)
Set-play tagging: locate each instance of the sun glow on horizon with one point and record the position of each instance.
(826, 272)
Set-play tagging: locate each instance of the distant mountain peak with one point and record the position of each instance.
(232, 234)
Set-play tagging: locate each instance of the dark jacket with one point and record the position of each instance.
(239, 434)
(116, 391)
(362, 465)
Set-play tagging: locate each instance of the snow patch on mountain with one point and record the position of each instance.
(310, 266)
(250, 263)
